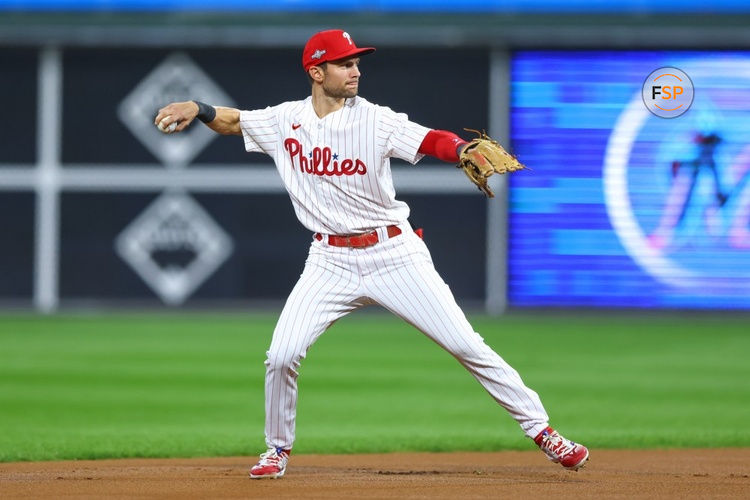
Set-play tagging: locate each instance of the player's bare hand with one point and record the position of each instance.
(175, 117)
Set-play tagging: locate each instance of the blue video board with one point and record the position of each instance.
(623, 207)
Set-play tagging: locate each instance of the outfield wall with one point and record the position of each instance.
(98, 208)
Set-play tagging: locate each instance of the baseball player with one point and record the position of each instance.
(332, 151)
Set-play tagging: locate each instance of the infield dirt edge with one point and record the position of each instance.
(684, 473)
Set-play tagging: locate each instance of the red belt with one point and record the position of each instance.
(358, 240)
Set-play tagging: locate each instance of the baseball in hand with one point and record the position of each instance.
(167, 129)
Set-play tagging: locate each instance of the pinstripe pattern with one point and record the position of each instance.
(397, 273)
(338, 204)
(324, 293)
(415, 292)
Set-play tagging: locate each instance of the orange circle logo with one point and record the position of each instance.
(668, 92)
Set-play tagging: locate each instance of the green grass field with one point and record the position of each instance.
(192, 385)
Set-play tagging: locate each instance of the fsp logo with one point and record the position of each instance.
(667, 92)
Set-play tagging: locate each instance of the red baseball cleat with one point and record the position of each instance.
(562, 451)
(272, 464)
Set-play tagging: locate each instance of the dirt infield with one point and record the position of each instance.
(717, 473)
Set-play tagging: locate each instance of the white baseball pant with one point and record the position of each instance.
(398, 274)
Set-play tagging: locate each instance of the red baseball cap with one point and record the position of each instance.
(330, 45)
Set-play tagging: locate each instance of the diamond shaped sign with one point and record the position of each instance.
(177, 78)
(174, 246)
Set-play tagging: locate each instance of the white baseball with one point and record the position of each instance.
(169, 128)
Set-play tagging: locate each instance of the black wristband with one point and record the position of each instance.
(206, 112)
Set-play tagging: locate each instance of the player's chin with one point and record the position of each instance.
(343, 93)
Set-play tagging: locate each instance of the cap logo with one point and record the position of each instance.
(346, 35)
(318, 54)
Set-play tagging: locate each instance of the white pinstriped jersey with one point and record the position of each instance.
(338, 175)
(336, 168)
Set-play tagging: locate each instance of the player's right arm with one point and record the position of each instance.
(225, 121)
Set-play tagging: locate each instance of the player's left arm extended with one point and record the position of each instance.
(176, 117)
(479, 159)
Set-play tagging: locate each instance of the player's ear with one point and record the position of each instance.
(316, 73)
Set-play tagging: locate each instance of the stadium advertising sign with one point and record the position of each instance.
(625, 207)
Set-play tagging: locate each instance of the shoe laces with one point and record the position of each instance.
(274, 456)
(556, 446)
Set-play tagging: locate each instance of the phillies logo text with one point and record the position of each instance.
(322, 161)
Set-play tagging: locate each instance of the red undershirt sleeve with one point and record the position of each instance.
(441, 144)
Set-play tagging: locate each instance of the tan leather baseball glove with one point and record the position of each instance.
(484, 157)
